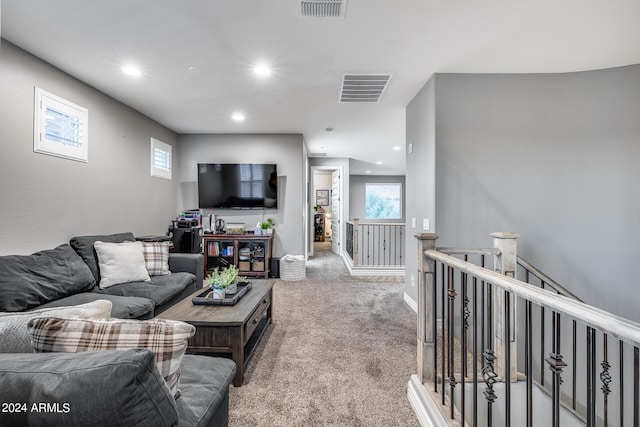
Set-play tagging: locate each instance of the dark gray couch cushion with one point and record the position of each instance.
(204, 383)
(106, 388)
(122, 308)
(27, 281)
(160, 289)
(83, 245)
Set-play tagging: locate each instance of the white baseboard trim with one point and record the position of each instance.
(424, 407)
(410, 302)
(371, 271)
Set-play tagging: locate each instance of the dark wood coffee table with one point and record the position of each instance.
(228, 330)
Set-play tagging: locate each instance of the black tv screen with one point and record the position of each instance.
(237, 186)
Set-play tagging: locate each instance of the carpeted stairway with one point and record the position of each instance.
(339, 353)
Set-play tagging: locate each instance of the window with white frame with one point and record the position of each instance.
(61, 128)
(383, 201)
(160, 159)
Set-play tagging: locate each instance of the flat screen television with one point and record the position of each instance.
(237, 186)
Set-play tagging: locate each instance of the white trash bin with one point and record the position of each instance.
(293, 267)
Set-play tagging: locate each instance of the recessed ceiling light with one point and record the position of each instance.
(238, 117)
(324, 147)
(262, 70)
(378, 163)
(195, 70)
(368, 171)
(396, 148)
(132, 71)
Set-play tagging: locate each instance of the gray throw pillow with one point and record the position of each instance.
(99, 388)
(14, 335)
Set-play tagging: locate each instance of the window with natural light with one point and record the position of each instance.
(60, 127)
(160, 159)
(383, 201)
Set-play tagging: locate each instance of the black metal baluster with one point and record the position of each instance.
(636, 388)
(483, 315)
(488, 373)
(434, 319)
(475, 351)
(464, 325)
(542, 339)
(507, 357)
(606, 379)
(451, 351)
(591, 377)
(621, 347)
(528, 362)
(575, 365)
(556, 365)
(443, 347)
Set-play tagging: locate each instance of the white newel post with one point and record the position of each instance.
(504, 262)
(426, 290)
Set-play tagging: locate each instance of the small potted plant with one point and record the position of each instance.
(267, 226)
(224, 282)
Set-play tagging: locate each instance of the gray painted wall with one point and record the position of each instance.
(554, 158)
(284, 150)
(357, 195)
(46, 200)
(420, 176)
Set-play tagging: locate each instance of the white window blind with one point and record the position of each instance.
(60, 127)
(160, 159)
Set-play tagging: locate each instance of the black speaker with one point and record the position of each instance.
(187, 239)
(274, 271)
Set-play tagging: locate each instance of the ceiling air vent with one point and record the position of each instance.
(317, 154)
(363, 87)
(322, 8)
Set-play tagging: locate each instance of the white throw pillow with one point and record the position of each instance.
(14, 335)
(120, 263)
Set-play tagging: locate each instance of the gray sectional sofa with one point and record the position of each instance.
(109, 387)
(69, 275)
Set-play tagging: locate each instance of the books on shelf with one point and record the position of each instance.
(219, 249)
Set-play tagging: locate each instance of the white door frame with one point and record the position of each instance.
(341, 204)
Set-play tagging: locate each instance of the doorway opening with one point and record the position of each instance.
(326, 209)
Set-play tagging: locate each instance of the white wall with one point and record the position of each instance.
(46, 200)
(284, 150)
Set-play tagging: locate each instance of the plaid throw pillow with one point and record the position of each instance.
(156, 258)
(167, 339)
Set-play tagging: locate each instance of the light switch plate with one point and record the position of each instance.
(425, 224)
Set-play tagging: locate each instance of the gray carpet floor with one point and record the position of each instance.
(340, 352)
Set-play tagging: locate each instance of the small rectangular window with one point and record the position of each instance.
(60, 127)
(383, 201)
(160, 159)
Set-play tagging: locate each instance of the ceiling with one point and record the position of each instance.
(222, 41)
